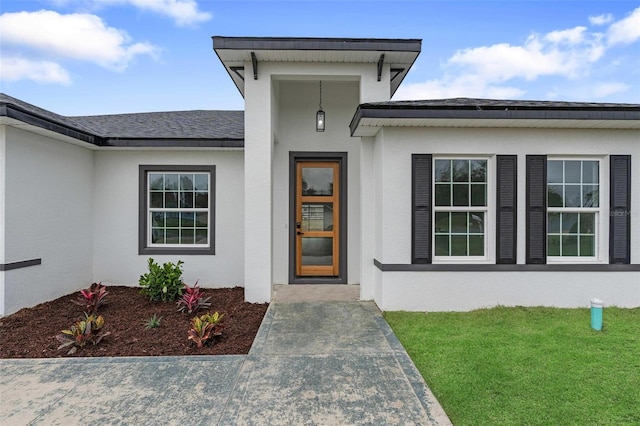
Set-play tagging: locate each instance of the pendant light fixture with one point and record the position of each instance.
(320, 114)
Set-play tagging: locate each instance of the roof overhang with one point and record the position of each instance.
(370, 118)
(15, 116)
(235, 52)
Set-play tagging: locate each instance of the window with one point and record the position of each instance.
(576, 211)
(573, 208)
(460, 208)
(177, 209)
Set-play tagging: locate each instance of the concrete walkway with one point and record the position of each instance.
(312, 363)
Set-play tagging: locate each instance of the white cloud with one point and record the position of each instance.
(602, 90)
(15, 69)
(626, 30)
(81, 37)
(499, 70)
(460, 87)
(601, 19)
(566, 53)
(573, 36)
(183, 12)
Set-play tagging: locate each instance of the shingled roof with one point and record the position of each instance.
(198, 128)
(501, 104)
(168, 125)
(470, 112)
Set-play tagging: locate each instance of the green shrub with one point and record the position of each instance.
(162, 282)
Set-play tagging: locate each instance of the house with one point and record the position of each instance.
(430, 205)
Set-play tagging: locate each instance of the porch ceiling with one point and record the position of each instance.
(234, 52)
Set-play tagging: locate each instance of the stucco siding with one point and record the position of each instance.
(462, 291)
(298, 103)
(116, 217)
(465, 291)
(48, 215)
(3, 156)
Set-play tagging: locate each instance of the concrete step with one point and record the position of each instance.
(316, 292)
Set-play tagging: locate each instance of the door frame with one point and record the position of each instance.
(308, 156)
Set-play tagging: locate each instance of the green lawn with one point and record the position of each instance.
(526, 366)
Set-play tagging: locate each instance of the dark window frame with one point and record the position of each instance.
(143, 216)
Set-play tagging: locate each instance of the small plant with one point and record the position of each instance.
(212, 318)
(205, 327)
(92, 298)
(153, 322)
(193, 299)
(82, 332)
(162, 282)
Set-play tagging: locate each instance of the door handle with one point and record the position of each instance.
(300, 233)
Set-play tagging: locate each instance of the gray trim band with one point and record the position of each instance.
(19, 265)
(174, 143)
(401, 267)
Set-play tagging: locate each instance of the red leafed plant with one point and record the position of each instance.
(192, 299)
(92, 298)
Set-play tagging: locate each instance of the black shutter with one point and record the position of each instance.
(506, 209)
(536, 209)
(620, 210)
(421, 208)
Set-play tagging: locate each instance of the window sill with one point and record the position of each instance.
(574, 261)
(187, 251)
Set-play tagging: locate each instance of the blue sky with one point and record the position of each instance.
(84, 57)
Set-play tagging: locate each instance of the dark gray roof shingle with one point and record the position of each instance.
(473, 103)
(198, 124)
(171, 128)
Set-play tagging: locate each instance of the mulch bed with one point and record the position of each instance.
(30, 332)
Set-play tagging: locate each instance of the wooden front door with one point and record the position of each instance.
(317, 223)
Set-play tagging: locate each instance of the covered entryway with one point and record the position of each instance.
(285, 83)
(318, 218)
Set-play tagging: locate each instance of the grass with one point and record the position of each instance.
(528, 366)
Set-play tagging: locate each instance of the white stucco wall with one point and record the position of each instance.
(292, 91)
(48, 215)
(368, 271)
(296, 132)
(3, 157)
(116, 259)
(258, 175)
(463, 291)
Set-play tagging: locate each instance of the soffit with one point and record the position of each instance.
(371, 126)
(235, 52)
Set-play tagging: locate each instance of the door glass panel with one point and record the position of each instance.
(317, 216)
(317, 181)
(317, 251)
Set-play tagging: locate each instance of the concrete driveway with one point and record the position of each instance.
(331, 362)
